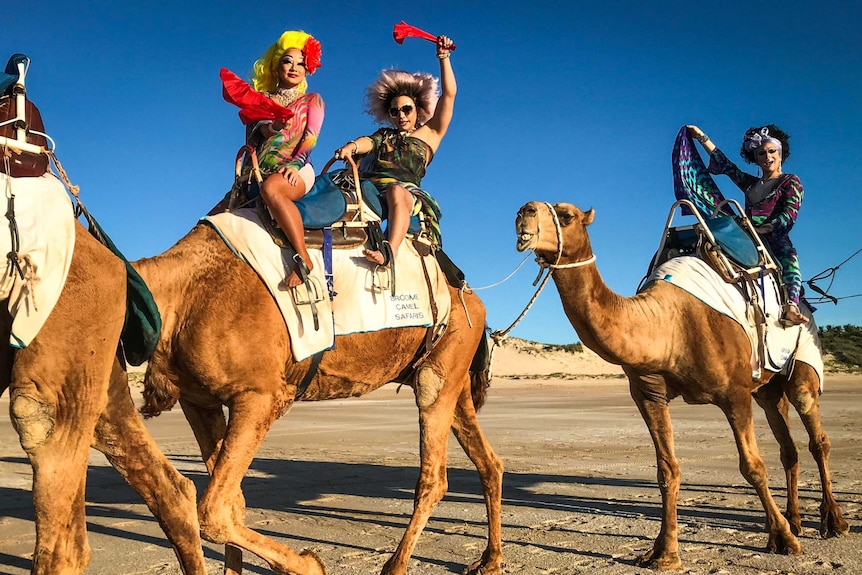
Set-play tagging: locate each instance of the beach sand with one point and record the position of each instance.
(579, 493)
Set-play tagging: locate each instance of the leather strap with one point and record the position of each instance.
(309, 375)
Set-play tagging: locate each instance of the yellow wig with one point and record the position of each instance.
(263, 78)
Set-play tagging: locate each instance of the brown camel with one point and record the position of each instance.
(224, 343)
(669, 344)
(68, 390)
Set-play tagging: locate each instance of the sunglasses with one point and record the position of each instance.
(394, 112)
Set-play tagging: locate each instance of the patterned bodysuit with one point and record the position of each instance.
(775, 202)
(400, 159)
(291, 146)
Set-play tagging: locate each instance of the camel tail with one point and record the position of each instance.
(480, 369)
(160, 394)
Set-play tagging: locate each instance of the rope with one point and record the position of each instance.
(507, 278)
(830, 273)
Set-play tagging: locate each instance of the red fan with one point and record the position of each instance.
(404, 30)
(253, 106)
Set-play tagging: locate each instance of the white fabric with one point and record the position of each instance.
(46, 232)
(781, 345)
(363, 301)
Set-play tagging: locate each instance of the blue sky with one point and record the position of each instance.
(557, 101)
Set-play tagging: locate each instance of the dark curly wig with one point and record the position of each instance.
(770, 130)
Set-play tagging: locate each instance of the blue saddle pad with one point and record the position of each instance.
(734, 240)
(323, 205)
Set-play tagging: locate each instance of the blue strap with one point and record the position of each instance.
(762, 284)
(327, 262)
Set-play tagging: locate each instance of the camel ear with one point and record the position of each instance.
(589, 216)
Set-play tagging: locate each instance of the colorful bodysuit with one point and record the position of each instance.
(291, 147)
(775, 202)
(401, 159)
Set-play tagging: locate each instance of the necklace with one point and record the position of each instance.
(285, 96)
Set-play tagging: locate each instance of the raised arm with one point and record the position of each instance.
(433, 131)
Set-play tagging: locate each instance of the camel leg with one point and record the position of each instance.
(210, 427)
(775, 405)
(55, 423)
(803, 391)
(490, 468)
(737, 409)
(129, 447)
(435, 421)
(251, 416)
(650, 397)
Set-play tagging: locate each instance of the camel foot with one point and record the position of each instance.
(832, 523)
(784, 543)
(795, 522)
(313, 565)
(661, 560)
(484, 567)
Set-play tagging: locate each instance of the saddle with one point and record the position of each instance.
(22, 133)
(333, 211)
(727, 242)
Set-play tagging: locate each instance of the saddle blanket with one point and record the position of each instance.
(46, 239)
(780, 345)
(363, 300)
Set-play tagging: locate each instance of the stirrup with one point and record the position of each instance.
(313, 290)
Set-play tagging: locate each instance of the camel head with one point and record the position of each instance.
(537, 224)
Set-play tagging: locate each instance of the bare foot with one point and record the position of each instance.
(793, 316)
(293, 279)
(374, 256)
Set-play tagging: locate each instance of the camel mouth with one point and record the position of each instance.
(526, 241)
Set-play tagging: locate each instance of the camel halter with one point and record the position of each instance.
(500, 335)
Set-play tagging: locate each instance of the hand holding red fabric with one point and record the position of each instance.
(403, 30)
(253, 105)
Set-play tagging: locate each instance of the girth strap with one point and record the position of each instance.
(309, 375)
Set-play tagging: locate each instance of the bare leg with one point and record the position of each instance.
(400, 202)
(279, 195)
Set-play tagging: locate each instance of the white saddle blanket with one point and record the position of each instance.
(46, 241)
(363, 300)
(780, 345)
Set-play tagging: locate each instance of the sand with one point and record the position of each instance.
(579, 491)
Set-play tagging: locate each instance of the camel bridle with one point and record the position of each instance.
(543, 263)
(499, 335)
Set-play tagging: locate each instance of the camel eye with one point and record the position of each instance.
(566, 218)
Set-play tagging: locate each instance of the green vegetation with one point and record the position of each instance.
(568, 347)
(844, 344)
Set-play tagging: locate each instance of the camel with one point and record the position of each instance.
(224, 343)
(671, 344)
(68, 390)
